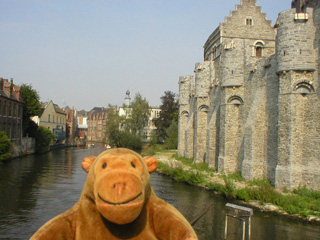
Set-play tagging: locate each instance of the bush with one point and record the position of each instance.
(129, 140)
(5, 145)
(43, 140)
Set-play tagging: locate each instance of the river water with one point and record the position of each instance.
(34, 189)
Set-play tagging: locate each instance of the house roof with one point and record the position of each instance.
(5, 90)
(98, 112)
(58, 109)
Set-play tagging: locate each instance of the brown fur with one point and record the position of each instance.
(117, 202)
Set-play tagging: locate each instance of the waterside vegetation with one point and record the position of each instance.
(301, 203)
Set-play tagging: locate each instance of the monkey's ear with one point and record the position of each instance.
(87, 162)
(152, 163)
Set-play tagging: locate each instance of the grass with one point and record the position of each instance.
(197, 166)
(151, 150)
(300, 201)
(180, 175)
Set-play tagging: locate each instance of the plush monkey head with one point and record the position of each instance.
(121, 183)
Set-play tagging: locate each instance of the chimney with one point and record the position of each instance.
(1, 84)
(11, 87)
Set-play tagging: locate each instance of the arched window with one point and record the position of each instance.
(185, 113)
(258, 47)
(236, 100)
(203, 108)
(303, 87)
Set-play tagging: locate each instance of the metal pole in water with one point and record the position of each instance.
(241, 213)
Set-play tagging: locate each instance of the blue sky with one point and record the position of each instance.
(88, 53)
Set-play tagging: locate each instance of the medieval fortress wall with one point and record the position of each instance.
(254, 104)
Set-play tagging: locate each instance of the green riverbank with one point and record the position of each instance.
(301, 203)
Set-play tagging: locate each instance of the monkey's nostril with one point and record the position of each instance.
(114, 186)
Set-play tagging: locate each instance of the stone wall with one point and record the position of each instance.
(255, 105)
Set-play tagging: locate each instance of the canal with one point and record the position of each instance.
(33, 189)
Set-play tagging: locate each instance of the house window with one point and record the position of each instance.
(49, 118)
(4, 108)
(249, 21)
(9, 109)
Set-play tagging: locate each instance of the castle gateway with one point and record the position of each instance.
(254, 104)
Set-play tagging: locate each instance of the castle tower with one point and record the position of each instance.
(185, 124)
(299, 105)
(201, 108)
(246, 37)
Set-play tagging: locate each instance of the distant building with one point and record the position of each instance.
(97, 121)
(71, 121)
(11, 111)
(154, 114)
(82, 125)
(53, 118)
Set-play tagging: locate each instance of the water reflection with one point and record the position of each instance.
(34, 189)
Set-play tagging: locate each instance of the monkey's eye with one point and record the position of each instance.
(104, 165)
(133, 165)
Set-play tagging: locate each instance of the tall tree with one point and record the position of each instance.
(168, 114)
(113, 126)
(138, 115)
(127, 131)
(31, 107)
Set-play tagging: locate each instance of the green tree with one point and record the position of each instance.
(171, 142)
(113, 126)
(43, 139)
(31, 107)
(5, 145)
(127, 131)
(168, 114)
(137, 115)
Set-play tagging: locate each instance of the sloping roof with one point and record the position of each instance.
(58, 109)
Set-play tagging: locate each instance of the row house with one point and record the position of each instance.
(97, 121)
(11, 111)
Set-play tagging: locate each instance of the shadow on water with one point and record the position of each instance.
(34, 189)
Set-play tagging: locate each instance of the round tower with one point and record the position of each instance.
(298, 103)
(295, 41)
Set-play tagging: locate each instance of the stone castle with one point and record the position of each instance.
(253, 106)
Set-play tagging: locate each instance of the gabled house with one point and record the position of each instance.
(53, 118)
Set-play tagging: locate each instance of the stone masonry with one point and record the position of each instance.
(253, 106)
